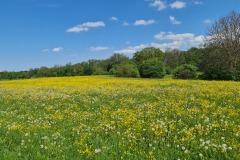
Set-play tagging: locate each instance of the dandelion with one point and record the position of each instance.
(97, 150)
(129, 116)
(208, 141)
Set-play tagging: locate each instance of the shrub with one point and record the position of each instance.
(185, 71)
(112, 71)
(126, 70)
(152, 68)
(88, 70)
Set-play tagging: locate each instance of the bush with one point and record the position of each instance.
(152, 68)
(112, 71)
(88, 70)
(185, 71)
(126, 70)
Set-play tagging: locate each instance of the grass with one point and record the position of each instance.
(116, 118)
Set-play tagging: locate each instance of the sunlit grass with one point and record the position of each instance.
(115, 118)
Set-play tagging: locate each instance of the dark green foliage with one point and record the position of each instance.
(225, 39)
(88, 70)
(152, 68)
(116, 59)
(126, 70)
(185, 71)
(225, 35)
(173, 58)
(112, 71)
(147, 53)
(215, 65)
(193, 56)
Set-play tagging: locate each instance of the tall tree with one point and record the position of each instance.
(225, 34)
(116, 59)
(173, 58)
(146, 54)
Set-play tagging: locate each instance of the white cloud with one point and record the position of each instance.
(132, 49)
(125, 23)
(45, 50)
(198, 2)
(207, 21)
(143, 22)
(114, 19)
(86, 26)
(160, 5)
(173, 20)
(98, 48)
(184, 40)
(172, 36)
(169, 40)
(178, 5)
(58, 49)
(164, 46)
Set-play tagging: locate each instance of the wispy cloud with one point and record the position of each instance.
(207, 21)
(86, 26)
(178, 5)
(198, 2)
(131, 49)
(99, 48)
(58, 49)
(180, 40)
(125, 23)
(45, 50)
(143, 22)
(113, 19)
(173, 20)
(160, 5)
(168, 40)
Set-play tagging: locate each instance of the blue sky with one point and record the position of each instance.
(35, 33)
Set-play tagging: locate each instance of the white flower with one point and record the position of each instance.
(41, 146)
(224, 145)
(98, 150)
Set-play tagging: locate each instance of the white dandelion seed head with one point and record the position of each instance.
(97, 150)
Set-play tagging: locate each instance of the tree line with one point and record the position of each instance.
(218, 59)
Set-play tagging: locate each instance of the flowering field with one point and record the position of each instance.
(114, 118)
